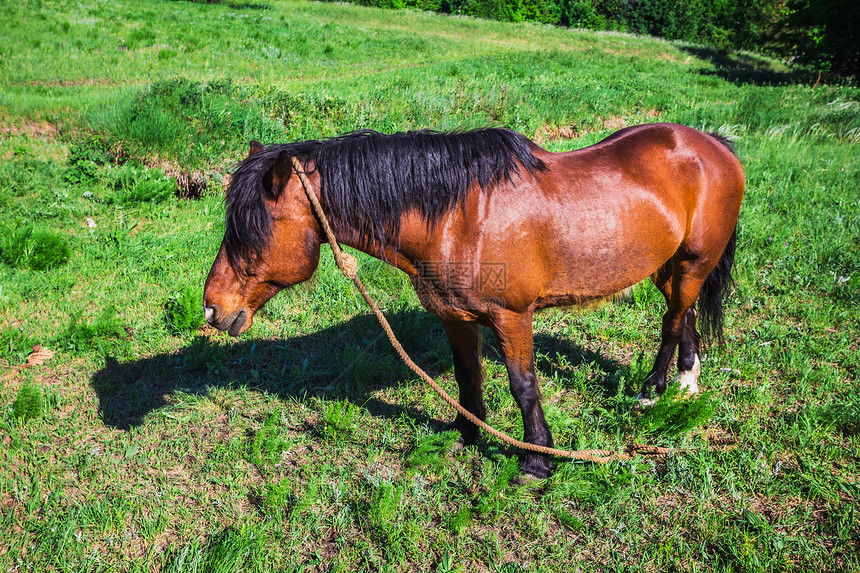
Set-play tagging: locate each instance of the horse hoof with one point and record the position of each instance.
(689, 384)
(468, 431)
(643, 402)
(525, 479)
(539, 467)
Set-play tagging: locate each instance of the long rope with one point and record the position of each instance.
(349, 267)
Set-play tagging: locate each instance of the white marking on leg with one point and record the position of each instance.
(645, 402)
(689, 378)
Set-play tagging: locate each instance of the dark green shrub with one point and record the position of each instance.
(29, 404)
(183, 311)
(582, 14)
(503, 10)
(822, 34)
(34, 248)
(85, 159)
(543, 11)
(135, 184)
(673, 19)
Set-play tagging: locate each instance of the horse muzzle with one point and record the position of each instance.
(235, 323)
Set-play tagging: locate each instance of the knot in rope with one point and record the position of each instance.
(347, 264)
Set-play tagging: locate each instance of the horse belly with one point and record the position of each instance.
(606, 249)
(446, 303)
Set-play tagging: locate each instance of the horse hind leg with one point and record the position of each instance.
(680, 284)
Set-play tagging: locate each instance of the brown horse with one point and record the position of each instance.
(491, 228)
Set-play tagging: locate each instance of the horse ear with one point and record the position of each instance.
(256, 147)
(280, 173)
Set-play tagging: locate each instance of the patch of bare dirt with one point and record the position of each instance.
(190, 185)
(206, 330)
(548, 133)
(615, 122)
(37, 357)
(665, 56)
(33, 129)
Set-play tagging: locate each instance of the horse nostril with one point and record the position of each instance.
(210, 312)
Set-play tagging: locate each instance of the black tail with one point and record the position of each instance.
(715, 291)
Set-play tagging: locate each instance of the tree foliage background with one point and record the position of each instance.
(816, 34)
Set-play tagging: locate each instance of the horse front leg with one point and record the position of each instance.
(465, 341)
(514, 333)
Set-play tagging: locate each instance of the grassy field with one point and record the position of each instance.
(143, 441)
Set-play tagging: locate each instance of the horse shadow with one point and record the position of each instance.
(347, 361)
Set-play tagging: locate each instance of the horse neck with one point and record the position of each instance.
(399, 254)
(389, 254)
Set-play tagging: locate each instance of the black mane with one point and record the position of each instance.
(369, 180)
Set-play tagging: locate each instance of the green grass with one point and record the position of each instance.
(29, 404)
(305, 444)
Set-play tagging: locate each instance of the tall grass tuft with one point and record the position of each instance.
(135, 184)
(233, 549)
(362, 367)
(842, 415)
(339, 421)
(268, 444)
(430, 450)
(29, 404)
(34, 248)
(183, 310)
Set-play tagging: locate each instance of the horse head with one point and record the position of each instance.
(272, 240)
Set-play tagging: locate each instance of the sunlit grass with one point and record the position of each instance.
(305, 443)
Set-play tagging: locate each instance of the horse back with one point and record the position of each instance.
(605, 217)
(671, 174)
(595, 222)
